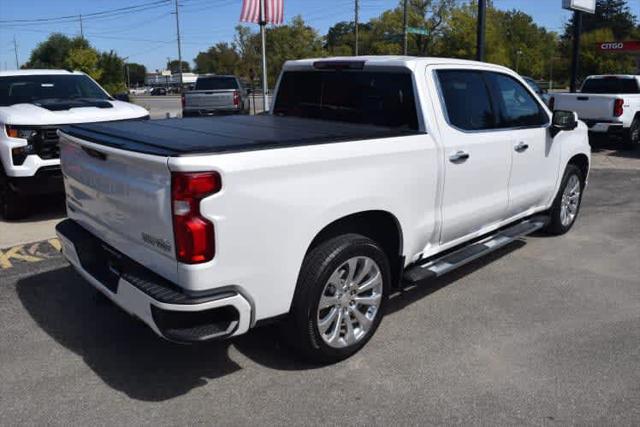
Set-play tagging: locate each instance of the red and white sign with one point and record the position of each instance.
(628, 46)
(273, 11)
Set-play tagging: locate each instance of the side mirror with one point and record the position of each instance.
(563, 120)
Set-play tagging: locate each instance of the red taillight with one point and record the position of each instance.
(183, 100)
(194, 235)
(236, 98)
(618, 107)
(552, 103)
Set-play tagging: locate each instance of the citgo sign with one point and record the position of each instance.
(627, 46)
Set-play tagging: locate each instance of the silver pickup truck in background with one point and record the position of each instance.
(215, 94)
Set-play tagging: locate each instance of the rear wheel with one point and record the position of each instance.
(339, 299)
(566, 205)
(633, 138)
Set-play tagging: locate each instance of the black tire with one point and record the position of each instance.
(633, 136)
(12, 205)
(555, 225)
(301, 327)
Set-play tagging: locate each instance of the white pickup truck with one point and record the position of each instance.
(371, 173)
(608, 104)
(33, 105)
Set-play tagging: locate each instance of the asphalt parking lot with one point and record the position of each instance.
(546, 331)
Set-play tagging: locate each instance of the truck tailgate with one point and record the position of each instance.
(122, 197)
(210, 99)
(588, 106)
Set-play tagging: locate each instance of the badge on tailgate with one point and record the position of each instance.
(157, 242)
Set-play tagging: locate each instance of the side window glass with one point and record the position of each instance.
(466, 99)
(518, 106)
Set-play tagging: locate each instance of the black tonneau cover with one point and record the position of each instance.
(200, 135)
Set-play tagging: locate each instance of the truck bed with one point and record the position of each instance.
(204, 135)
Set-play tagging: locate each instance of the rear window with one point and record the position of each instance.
(613, 85)
(376, 98)
(216, 83)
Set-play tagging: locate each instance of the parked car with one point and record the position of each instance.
(608, 104)
(215, 94)
(33, 105)
(370, 174)
(158, 91)
(542, 93)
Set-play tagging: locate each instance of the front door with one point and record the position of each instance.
(534, 155)
(477, 158)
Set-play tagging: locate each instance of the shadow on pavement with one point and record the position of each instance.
(43, 208)
(129, 357)
(612, 146)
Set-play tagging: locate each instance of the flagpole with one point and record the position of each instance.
(263, 34)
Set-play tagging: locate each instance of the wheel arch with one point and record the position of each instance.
(380, 226)
(581, 161)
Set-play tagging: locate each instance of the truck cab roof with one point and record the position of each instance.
(388, 61)
(37, 72)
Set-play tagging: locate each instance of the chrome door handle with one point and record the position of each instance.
(459, 157)
(521, 147)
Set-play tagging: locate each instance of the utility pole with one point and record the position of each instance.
(15, 50)
(356, 24)
(179, 47)
(482, 9)
(405, 26)
(81, 28)
(575, 59)
(518, 55)
(263, 36)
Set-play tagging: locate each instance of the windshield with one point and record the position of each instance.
(216, 83)
(612, 85)
(27, 89)
(376, 98)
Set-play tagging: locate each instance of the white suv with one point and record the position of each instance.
(33, 105)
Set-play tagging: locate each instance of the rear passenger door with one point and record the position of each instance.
(476, 154)
(534, 156)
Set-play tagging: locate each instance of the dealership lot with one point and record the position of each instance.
(544, 331)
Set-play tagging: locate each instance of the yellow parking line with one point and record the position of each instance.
(56, 244)
(15, 253)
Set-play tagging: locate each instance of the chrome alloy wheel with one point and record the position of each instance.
(350, 302)
(570, 201)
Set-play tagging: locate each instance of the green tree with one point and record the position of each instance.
(340, 39)
(137, 73)
(219, 59)
(113, 72)
(85, 60)
(295, 40)
(612, 21)
(174, 66)
(593, 61)
(54, 52)
(615, 15)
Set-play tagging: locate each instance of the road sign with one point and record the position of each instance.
(588, 6)
(627, 46)
(418, 30)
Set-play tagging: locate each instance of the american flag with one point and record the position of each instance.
(273, 10)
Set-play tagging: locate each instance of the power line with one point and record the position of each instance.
(93, 15)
